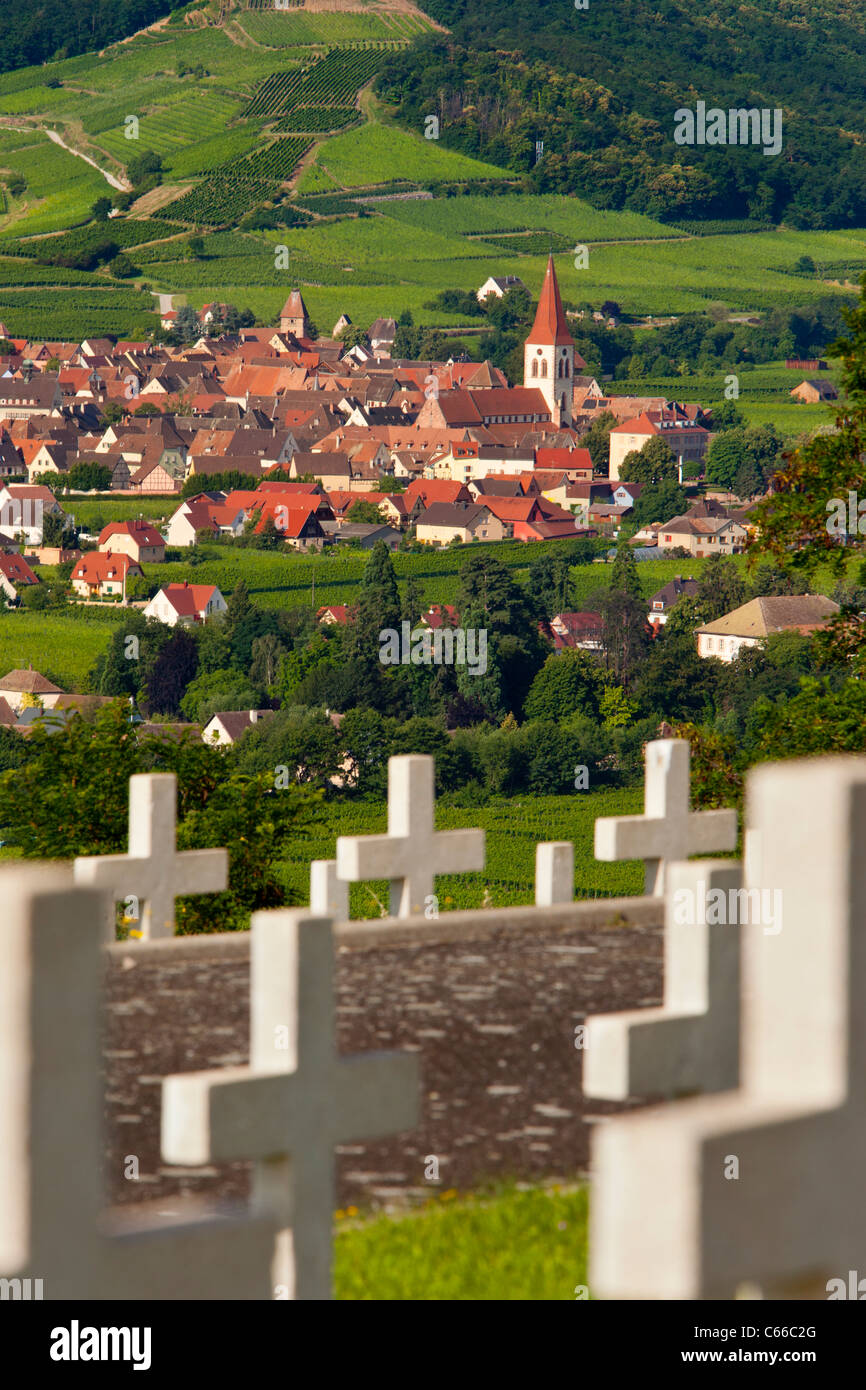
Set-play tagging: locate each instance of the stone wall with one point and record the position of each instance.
(490, 1001)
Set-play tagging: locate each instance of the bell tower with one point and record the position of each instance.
(549, 353)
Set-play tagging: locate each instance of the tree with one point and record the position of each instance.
(122, 267)
(549, 582)
(87, 476)
(169, 675)
(147, 408)
(186, 325)
(794, 519)
(624, 576)
(195, 248)
(721, 588)
(218, 690)
(726, 416)
(625, 634)
(659, 502)
(654, 463)
(57, 530)
(597, 441)
(71, 798)
(352, 335)
(364, 511)
(101, 208)
(267, 652)
(145, 165)
(413, 601)
(569, 682)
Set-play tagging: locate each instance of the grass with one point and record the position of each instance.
(373, 152)
(514, 826)
(515, 1243)
(63, 648)
(285, 580)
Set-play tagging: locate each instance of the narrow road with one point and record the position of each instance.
(122, 187)
(164, 301)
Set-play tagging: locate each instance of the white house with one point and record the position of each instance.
(185, 604)
(750, 624)
(227, 726)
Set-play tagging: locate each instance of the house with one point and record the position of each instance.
(185, 604)
(36, 393)
(702, 535)
(663, 601)
(499, 285)
(806, 364)
(227, 727)
(104, 573)
(444, 522)
(154, 478)
(748, 625)
(813, 391)
(134, 538)
(576, 630)
(381, 335)
(440, 615)
(14, 570)
(364, 533)
(19, 688)
(22, 507)
(687, 440)
(335, 613)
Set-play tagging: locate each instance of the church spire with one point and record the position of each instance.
(551, 326)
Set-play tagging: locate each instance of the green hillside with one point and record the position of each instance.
(276, 153)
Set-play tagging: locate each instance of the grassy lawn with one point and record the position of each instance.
(518, 1243)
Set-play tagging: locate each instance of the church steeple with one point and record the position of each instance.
(548, 355)
(551, 326)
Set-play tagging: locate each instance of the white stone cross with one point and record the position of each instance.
(668, 829)
(691, 1043)
(329, 896)
(295, 1101)
(412, 852)
(554, 873)
(153, 871)
(762, 1186)
(51, 1104)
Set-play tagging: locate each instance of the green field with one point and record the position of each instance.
(764, 397)
(397, 258)
(514, 1243)
(514, 827)
(61, 646)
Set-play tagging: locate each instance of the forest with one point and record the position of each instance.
(599, 87)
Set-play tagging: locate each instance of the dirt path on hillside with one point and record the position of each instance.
(122, 186)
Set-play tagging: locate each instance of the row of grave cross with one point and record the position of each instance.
(412, 852)
(761, 1030)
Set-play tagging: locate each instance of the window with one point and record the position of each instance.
(534, 366)
(544, 369)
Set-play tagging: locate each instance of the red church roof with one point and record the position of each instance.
(551, 326)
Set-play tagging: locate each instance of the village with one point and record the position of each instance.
(272, 439)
